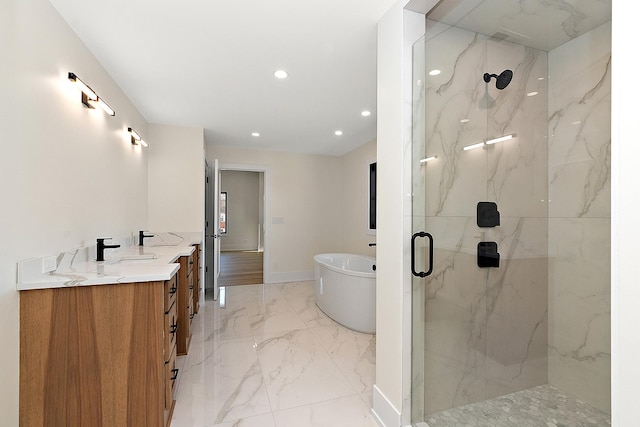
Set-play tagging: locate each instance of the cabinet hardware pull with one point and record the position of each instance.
(174, 328)
(191, 316)
(173, 290)
(174, 375)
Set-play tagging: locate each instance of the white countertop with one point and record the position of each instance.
(155, 261)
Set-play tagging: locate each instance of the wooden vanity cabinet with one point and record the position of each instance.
(99, 355)
(185, 303)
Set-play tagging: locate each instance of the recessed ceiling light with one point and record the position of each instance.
(338, 132)
(256, 134)
(534, 93)
(464, 121)
(281, 74)
(366, 113)
(434, 72)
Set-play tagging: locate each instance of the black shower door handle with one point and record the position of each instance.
(413, 254)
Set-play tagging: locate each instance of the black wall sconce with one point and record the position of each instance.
(89, 98)
(136, 139)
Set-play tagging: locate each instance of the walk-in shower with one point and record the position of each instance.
(513, 324)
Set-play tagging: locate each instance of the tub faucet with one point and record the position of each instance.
(141, 237)
(100, 247)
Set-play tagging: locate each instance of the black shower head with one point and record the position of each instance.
(502, 80)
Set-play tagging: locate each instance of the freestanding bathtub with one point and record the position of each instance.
(346, 289)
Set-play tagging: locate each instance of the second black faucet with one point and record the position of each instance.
(141, 237)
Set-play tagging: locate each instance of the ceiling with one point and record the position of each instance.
(210, 64)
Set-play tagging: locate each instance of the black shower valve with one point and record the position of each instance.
(487, 214)
(488, 255)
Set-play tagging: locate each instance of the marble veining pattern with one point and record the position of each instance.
(580, 212)
(270, 358)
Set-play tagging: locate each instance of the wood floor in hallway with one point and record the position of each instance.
(241, 268)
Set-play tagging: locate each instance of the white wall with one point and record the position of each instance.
(68, 174)
(625, 231)
(243, 207)
(176, 178)
(301, 189)
(397, 30)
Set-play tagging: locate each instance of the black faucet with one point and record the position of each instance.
(100, 247)
(141, 237)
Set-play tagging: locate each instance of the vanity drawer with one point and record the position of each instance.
(170, 377)
(170, 292)
(170, 331)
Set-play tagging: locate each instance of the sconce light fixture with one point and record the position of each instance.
(136, 139)
(90, 99)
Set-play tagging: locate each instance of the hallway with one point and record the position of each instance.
(271, 358)
(241, 268)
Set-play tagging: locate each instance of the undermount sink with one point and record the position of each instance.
(133, 259)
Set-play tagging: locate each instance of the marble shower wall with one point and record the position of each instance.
(485, 329)
(580, 217)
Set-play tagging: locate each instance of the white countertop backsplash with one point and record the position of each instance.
(155, 261)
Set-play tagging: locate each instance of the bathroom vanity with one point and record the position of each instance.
(99, 340)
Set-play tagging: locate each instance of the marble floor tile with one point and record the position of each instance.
(271, 319)
(269, 311)
(295, 290)
(353, 352)
(259, 421)
(298, 371)
(230, 322)
(347, 411)
(225, 377)
(367, 398)
(309, 312)
(258, 355)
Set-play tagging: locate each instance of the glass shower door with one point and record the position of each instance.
(479, 188)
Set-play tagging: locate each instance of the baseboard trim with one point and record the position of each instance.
(385, 414)
(289, 276)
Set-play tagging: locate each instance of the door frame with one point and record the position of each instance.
(241, 167)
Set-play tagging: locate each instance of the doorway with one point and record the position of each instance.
(242, 227)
